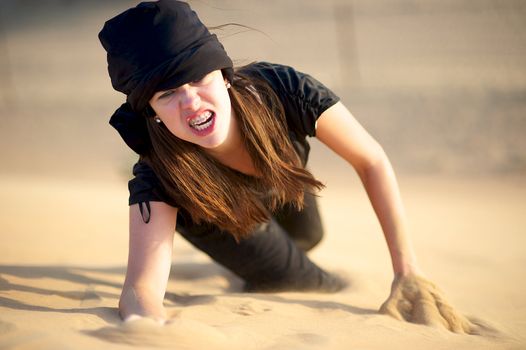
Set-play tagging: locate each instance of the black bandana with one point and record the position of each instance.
(152, 47)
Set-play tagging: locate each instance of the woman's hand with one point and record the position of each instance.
(417, 300)
(136, 304)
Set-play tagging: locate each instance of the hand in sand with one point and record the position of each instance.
(135, 305)
(417, 300)
(134, 317)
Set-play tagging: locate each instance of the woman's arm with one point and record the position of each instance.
(340, 131)
(412, 297)
(149, 262)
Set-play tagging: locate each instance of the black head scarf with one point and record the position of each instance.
(153, 47)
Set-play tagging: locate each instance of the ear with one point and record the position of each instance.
(227, 82)
(149, 112)
(228, 74)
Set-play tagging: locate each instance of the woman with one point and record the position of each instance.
(222, 156)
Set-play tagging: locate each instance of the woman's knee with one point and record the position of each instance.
(309, 239)
(304, 227)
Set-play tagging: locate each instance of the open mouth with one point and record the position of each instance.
(202, 121)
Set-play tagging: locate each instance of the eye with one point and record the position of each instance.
(166, 94)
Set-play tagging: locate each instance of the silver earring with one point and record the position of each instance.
(228, 86)
(157, 120)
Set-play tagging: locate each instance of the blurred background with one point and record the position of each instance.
(440, 83)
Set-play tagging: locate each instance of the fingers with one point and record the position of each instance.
(399, 304)
(390, 306)
(417, 300)
(405, 307)
(476, 326)
(426, 312)
(456, 322)
(425, 298)
(469, 328)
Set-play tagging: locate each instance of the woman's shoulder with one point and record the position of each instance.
(277, 75)
(263, 66)
(145, 185)
(284, 79)
(304, 98)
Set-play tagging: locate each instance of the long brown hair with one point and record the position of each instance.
(212, 192)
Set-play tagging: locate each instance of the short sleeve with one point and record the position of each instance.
(303, 97)
(145, 186)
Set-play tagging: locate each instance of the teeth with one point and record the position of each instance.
(200, 119)
(197, 122)
(203, 126)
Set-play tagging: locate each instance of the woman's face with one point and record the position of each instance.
(199, 112)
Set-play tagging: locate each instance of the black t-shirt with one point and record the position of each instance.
(304, 99)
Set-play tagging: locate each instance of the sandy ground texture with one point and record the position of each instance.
(441, 84)
(62, 263)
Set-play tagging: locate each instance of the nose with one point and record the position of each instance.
(189, 98)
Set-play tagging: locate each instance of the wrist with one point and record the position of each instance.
(407, 269)
(405, 264)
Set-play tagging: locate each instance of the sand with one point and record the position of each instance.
(63, 256)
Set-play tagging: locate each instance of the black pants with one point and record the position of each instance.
(273, 257)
